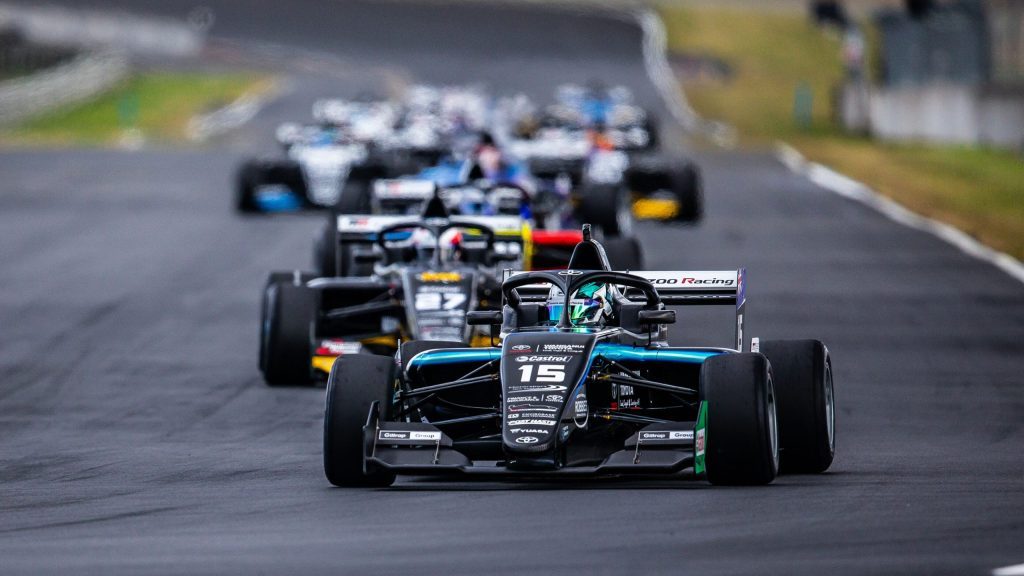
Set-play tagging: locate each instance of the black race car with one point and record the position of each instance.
(584, 382)
(406, 278)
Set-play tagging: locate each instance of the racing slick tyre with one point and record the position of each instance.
(410, 349)
(802, 371)
(354, 197)
(624, 253)
(325, 252)
(606, 207)
(355, 383)
(288, 309)
(742, 437)
(688, 187)
(246, 180)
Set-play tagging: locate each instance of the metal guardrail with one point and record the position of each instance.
(83, 77)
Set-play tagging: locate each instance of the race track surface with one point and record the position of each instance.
(136, 436)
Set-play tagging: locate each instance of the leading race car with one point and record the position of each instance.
(406, 278)
(584, 382)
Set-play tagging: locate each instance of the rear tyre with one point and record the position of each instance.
(688, 187)
(355, 194)
(624, 253)
(803, 385)
(355, 383)
(325, 251)
(246, 180)
(742, 436)
(606, 207)
(288, 310)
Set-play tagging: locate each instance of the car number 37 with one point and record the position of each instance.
(545, 373)
(439, 301)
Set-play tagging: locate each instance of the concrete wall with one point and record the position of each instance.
(941, 113)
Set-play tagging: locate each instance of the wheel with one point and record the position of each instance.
(742, 445)
(246, 180)
(355, 383)
(288, 310)
(606, 207)
(325, 251)
(688, 187)
(624, 253)
(803, 386)
(273, 278)
(410, 349)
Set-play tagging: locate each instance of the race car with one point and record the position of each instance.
(408, 278)
(349, 144)
(551, 238)
(628, 126)
(646, 187)
(319, 160)
(584, 382)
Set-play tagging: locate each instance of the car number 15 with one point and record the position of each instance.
(545, 373)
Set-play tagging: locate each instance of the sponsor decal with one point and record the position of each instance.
(708, 281)
(521, 348)
(564, 348)
(512, 399)
(667, 435)
(739, 332)
(528, 431)
(537, 407)
(628, 403)
(569, 273)
(580, 410)
(562, 359)
(439, 277)
(338, 348)
(700, 441)
(527, 440)
(408, 435)
(553, 398)
(533, 422)
(537, 388)
(755, 344)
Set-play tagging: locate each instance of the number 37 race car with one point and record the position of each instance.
(584, 382)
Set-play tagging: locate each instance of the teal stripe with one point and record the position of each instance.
(455, 355)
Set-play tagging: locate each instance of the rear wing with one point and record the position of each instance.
(678, 288)
(368, 224)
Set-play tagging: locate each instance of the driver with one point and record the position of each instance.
(591, 306)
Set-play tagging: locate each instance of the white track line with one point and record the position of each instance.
(1016, 570)
(203, 127)
(847, 187)
(655, 51)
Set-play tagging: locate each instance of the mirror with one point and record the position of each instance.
(484, 317)
(657, 316)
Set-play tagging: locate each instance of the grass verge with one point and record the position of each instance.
(770, 54)
(156, 106)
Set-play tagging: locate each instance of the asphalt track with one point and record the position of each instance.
(136, 436)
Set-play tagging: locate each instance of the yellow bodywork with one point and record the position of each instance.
(655, 208)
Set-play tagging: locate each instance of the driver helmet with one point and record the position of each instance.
(451, 245)
(423, 242)
(590, 306)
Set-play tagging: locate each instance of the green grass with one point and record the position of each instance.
(157, 104)
(978, 190)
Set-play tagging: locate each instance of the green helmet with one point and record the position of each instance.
(591, 305)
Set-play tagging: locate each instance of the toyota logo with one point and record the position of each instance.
(526, 440)
(570, 273)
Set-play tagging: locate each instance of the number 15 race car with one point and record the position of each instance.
(584, 382)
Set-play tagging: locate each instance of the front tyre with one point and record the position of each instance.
(355, 383)
(803, 385)
(288, 309)
(742, 445)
